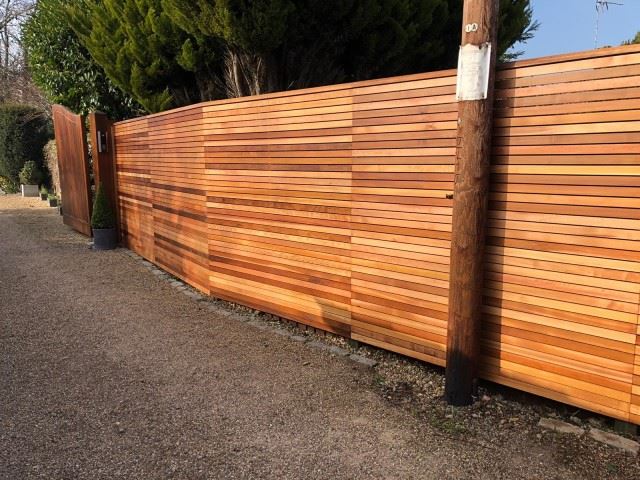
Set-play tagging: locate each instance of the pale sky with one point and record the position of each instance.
(569, 26)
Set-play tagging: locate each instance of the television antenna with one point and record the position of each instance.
(601, 6)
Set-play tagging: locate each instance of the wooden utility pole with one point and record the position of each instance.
(470, 196)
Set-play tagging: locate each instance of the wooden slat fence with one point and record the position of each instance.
(563, 260)
(331, 206)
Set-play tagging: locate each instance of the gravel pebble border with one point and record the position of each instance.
(343, 348)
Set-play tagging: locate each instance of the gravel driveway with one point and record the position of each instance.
(106, 371)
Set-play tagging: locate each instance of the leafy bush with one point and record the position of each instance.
(102, 216)
(63, 68)
(51, 162)
(24, 131)
(30, 174)
(7, 186)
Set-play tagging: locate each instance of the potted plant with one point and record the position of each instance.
(103, 223)
(53, 200)
(44, 193)
(30, 177)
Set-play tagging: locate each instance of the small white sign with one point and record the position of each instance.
(473, 72)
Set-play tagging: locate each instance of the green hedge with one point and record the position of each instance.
(24, 131)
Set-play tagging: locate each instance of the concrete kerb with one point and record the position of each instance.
(608, 438)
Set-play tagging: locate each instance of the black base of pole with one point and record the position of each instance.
(461, 384)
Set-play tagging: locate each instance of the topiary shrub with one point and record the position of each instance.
(24, 131)
(30, 174)
(102, 216)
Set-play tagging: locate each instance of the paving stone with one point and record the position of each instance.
(319, 345)
(369, 362)
(560, 426)
(338, 351)
(596, 422)
(616, 441)
(329, 348)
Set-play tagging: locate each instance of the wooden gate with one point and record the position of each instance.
(73, 161)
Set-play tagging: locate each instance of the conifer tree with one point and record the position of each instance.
(632, 41)
(145, 53)
(168, 53)
(279, 44)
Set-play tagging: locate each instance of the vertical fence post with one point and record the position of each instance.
(102, 148)
(476, 67)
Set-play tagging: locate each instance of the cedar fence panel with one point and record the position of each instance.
(563, 255)
(331, 206)
(404, 140)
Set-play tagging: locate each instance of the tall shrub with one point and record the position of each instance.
(30, 174)
(51, 162)
(23, 133)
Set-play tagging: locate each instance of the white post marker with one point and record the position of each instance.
(473, 72)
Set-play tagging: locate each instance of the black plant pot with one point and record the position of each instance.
(53, 202)
(60, 209)
(105, 238)
(44, 196)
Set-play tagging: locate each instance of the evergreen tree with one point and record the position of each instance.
(63, 69)
(632, 41)
(168, 53)
(516, 26)
(145, 53)
(274, 45)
